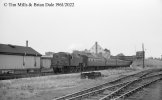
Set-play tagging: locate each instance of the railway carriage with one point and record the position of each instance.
(117, 63)
(95, 63)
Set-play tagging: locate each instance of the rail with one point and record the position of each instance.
(98, 88)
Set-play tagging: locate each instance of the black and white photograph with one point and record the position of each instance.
(80, 49)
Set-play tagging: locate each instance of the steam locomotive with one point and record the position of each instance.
(63, 62)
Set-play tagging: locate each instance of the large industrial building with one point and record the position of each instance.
(96, 50)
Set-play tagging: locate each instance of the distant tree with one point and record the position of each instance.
(120, 54)
(150, 58)
(157, 58)
(106, 50)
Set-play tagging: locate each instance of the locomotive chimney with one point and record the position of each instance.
(26, 43)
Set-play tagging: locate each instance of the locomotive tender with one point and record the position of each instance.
(63, 62)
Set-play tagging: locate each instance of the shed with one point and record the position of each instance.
(46, 61)
(13, 57)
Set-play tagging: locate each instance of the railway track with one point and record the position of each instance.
(131, 87)
(108, 90)
(26, 75)
(127, 94)
(33, 74)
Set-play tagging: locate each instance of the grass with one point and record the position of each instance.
(148, 63)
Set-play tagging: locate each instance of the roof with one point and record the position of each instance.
(96, 48)
(9, 49)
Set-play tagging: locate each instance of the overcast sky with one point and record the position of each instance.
(118, 25)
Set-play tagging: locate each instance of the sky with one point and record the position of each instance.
(118, 25)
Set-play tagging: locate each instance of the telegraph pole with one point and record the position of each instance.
(116, 61)
(96, 48)
(143, 55)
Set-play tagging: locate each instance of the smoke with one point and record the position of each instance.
(75, 46)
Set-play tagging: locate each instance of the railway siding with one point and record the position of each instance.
(101, 88)
(151, 92)
(49, 87)
(132, 87)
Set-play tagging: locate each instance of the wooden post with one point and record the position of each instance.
(116, 61)
(143, 55)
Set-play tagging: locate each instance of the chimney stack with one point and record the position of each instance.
(26, 43)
